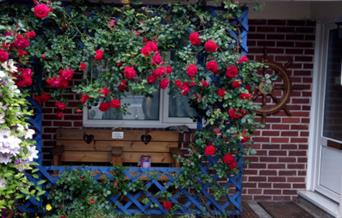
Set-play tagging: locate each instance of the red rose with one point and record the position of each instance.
(25, 78)
(185, 90)
(104, 91)
(221, 92)
(42, 98)
(204, 83)
(192, 84)
(233, 114)
(21, 53)
(30, 34)
(84, 99)
(243, 59)
(83, 67)
(209, 150)
(129, 72)
(212, 66)
(210, 46)
(245, 96)
(167, 205)
(232, 71)
(151, 79)
(178, 83)
(236, 83)
(99, 54)
(21, 42)
(230, 161)
(163, 84)
(191, 70)
(158, 72)
(59, 115)
(60, 105)
(104, 106)
(146, 51)
(194, 38)
(3, 55)
(123, 86)
(116, 103)
(157, 59)
(66, 74)
(152, 45)
(169, 69)
(41, 11)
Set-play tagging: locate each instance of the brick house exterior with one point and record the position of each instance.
(278, 169)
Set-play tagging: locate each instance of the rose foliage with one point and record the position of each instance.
(103, 52)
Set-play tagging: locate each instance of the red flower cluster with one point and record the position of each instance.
(210, 46)
(104, 106)
(236, 83)
(184, 87)
(221, 92)
(210, 150)
(60, 108)
(149, 47)
(62, 80)
(21, 42)
(42, 98)
(123, 86)
(116, 103)
(164, 83)
(83, 67)
(3, 55)
(243, 59)
(99, 53)
(24, 79)
(191, 70)
(194, 38)
(41, 11)
(245, 96)
(129, 72)
(232, 71)
(235, 114)
(230, 161)
(84, 99)
(104, 91)
(167, 205)
(212, 66)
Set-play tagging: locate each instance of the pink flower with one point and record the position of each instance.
(111, 23)
(3, 55)
(116, 103)
(232, 71)
(169, 69)
(158, 72)
(41, 11)
(163, 84)
(210, 46)
(148, 48)
(66, 74)
(212, 66)
(185, 90)
(243, 59)
(221, 92)
(194, 38)
(209, 150)
(191, 70)
(104, 106)
(129, 72)
(99, 54)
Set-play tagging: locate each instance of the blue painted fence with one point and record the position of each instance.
(187, 202)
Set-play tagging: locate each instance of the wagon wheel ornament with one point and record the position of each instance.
(273, 91)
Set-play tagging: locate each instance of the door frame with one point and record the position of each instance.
(316, 112)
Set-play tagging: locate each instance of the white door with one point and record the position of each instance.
(330, 117)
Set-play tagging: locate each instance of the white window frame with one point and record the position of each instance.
(163, 122)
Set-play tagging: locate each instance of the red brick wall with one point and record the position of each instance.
(278, 170)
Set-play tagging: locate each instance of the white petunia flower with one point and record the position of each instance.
(32, 153)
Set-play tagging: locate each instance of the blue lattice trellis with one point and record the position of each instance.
(187, 202)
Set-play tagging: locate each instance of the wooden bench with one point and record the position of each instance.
(98, 146)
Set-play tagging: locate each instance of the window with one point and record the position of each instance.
(164, 108)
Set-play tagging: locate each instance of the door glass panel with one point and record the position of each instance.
(332, 127)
